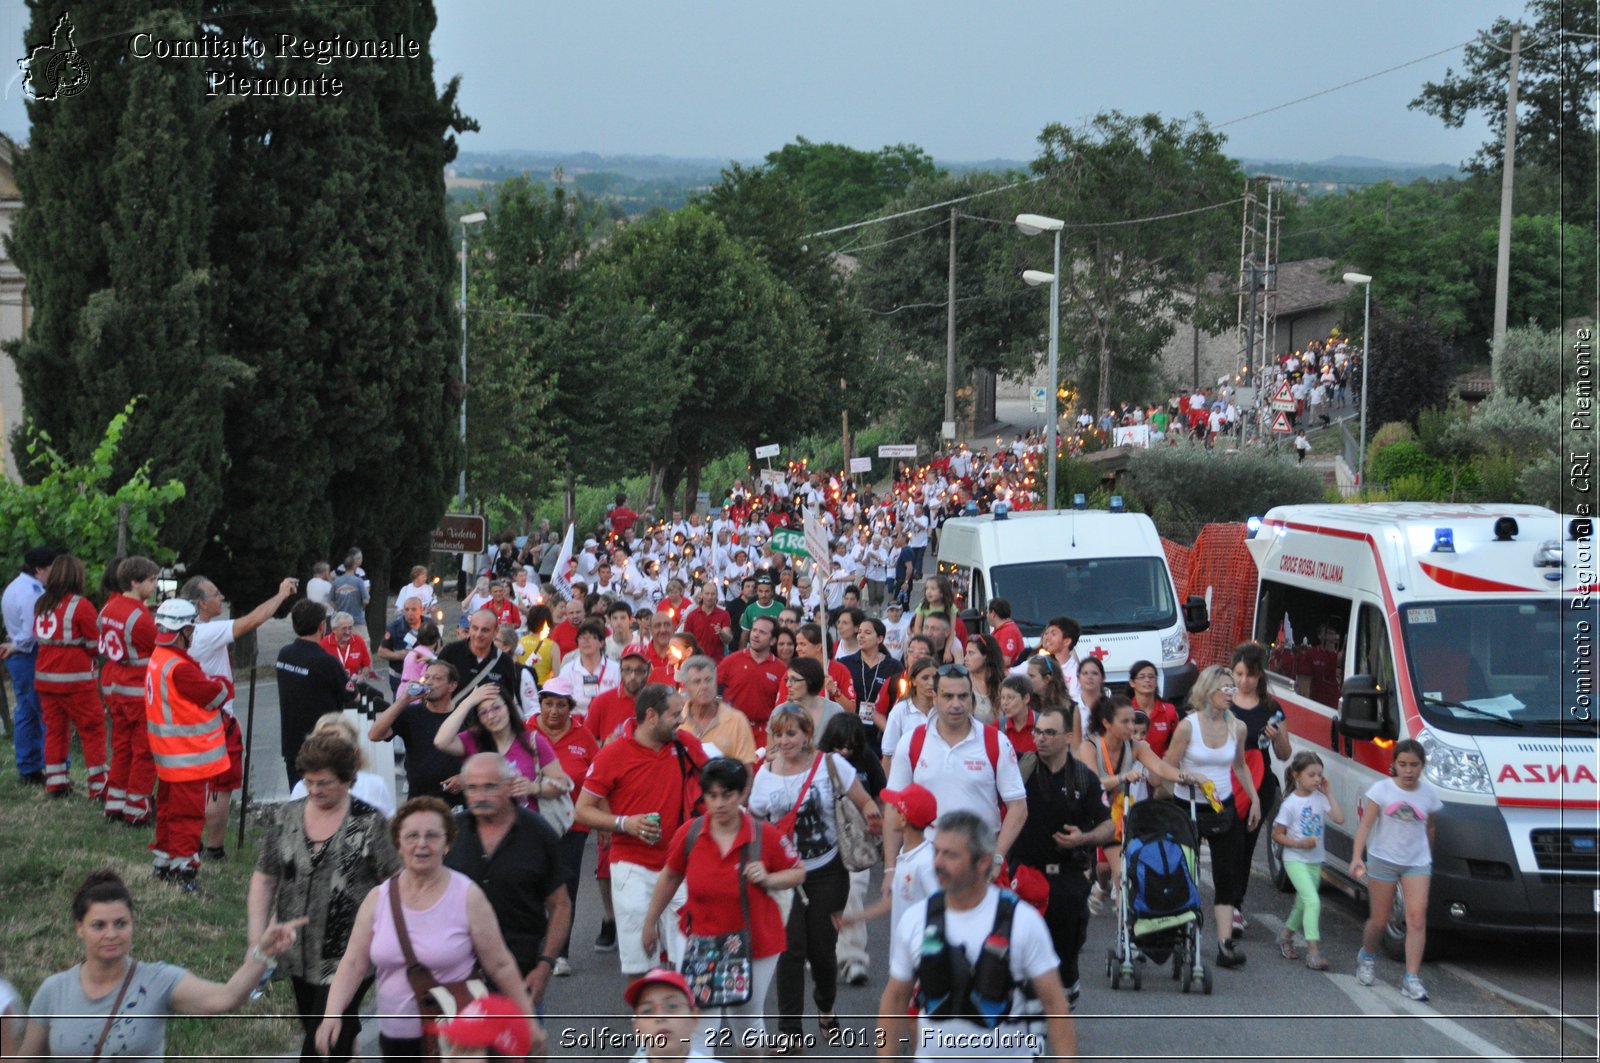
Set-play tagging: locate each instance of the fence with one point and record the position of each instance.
(1219, 569)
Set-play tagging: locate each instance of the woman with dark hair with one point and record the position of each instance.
(321, 855)
(987, 667)
(783, 645)
(1265, 737)
(67, 627)
(915, 706)
(535, 650)
(939, 598)
(1018, 709)
(429, 643)
(1092, 688)
(587, 668)
(110, 1006)
(1143, 678)
(1050, 684)
(715, 855)
(576, 748)
(493, 726)
(805, 679)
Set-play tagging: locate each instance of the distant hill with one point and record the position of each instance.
(1341, 171)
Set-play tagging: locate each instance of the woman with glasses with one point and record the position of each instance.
(492, 726)
(1265, 737)
(804, 681)
(1019, 708)
(322, 854)
(1143, 679)
(794, 788)
(1124, 766)
(987, 667)
(1209, 746)
(449, 924)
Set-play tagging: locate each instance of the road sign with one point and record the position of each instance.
(772, 476)
(788, 541)
(771, 450)
(860, 464)
(1036, 399)
(461, 533)
(702, 501)
(1280, 423)
(947, 430)
(1283, 399)
(897, 450)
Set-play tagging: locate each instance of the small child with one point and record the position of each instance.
(1302, 446)
(1398, 816)
(911, 878)
(1141, 727)
(488, 1028)
(1298, 828)
(664, 1017)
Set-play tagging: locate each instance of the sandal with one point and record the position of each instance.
(828, 1023)
(1287, 949)
(1316, 961)
(1097, 899)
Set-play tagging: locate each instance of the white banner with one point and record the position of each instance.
(771, 450)
(1133, 435)
(860, 464)
(897, 450)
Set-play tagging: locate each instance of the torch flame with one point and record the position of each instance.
(544, 632)
(902, 686)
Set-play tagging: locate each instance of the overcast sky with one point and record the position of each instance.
(965, 79)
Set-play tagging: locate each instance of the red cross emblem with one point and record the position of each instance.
(1099, 653)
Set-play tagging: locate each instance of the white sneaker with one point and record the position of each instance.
(855, 973)
(1412, 987)
(562, 968)
(1366, 967)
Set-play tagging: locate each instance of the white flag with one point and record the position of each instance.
(561, 575)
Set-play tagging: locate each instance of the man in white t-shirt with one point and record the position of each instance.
(954, 764)
(319, 588)
(209, 647)
(967, 915)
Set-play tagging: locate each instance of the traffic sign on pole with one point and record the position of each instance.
(1280, 423)
(1036, 400)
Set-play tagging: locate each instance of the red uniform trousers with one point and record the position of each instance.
(80, 709)
(180, 820)
(133, 771)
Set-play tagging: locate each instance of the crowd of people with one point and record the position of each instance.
(749, 750)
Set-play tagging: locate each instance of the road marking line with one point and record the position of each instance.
(1587, 1028)
(1371, 1002)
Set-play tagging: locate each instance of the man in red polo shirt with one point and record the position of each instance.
(622, 517)
(500, 604)
(663, 665)
(565, 634)
(751, 678)
(641, 789)
(709, 623)
(1005, 631)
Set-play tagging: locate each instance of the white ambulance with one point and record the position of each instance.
(1105, 569)
(1469, 628)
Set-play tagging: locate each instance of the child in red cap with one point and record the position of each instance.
(664, 1017)
(490, 1027)
(910, 878)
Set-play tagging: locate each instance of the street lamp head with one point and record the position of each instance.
(474, 218)
(1357, 278)
(1034, 224)
(1036, 277)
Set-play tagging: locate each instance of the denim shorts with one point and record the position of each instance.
(1381, 870)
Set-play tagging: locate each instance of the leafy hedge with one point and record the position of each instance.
(1187, 486)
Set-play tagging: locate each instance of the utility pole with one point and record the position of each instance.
(1502, 265)
(950, 334)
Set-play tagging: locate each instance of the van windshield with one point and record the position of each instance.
(1101, 593)
(1486, 667)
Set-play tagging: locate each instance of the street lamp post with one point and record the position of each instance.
(1033, 225)
(1366, 338)
(474, 218)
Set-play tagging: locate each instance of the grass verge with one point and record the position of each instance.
(49, 846)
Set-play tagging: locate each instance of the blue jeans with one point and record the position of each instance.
(26, 719)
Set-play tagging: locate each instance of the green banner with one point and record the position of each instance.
(787, 541)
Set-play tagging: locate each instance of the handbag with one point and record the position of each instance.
(557, 811)
(1211, 823)
(856, 844)
(436, 1001)
(718, 966)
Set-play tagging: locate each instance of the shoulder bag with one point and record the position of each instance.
(436, 1001)
(857, 847)
(718, 966)
(116, 1006)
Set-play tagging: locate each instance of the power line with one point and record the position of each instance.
(930, 206)
(852, 249)
(1345, 85)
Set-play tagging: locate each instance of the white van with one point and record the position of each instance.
(1106, 570)
(1468, 628)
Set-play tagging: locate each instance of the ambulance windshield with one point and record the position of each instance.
(1484, 667)
(1102, 593)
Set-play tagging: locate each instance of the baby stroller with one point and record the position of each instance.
(1159, 916)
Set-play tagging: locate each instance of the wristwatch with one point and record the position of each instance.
(551, 960)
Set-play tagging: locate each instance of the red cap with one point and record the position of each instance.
(636, 649)
(659, 976)
(489, 1022)
(915, 803)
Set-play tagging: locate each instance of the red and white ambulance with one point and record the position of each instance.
(1470, 628)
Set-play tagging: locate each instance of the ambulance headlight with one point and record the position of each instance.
(1454, 769)
(1175, 647)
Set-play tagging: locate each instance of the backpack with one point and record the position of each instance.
(951, 987)
(1162, 884)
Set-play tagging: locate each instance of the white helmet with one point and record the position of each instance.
(175, 614)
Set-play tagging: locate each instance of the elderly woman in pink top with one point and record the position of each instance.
(448, 921)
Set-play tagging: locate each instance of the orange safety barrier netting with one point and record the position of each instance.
(1220, 569)
(1178, 562)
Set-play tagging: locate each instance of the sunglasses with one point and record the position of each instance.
(954, 669)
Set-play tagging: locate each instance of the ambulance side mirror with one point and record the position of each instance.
(976, 622)
(1364, 710)
(1196, 617)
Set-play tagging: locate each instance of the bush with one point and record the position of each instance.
(1403, 458)
(1527, 364)
(1190, 485)
(1540, 484)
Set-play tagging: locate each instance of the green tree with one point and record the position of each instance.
(1124, 286)
(1556, 77)
(1412, 367)
(84, 506)
(841, 184)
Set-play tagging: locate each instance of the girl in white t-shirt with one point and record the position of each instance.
(1308, 805)
(1398, 817)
